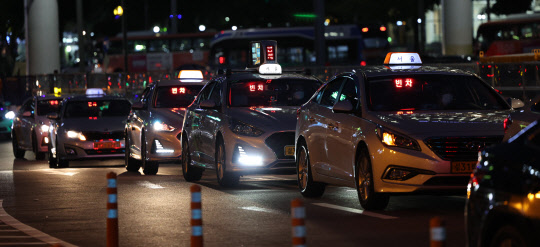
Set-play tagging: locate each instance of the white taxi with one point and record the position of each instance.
(398, 128)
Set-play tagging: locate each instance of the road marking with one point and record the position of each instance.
(267, 178)
(32, 232)
(259, 209)
(150, 185)
(64, 172)
(356, 211)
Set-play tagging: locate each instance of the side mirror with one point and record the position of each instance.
(516, 103)
(208, 104)
(344, 106)
(53, 116)
(137, 106)
(27, 114)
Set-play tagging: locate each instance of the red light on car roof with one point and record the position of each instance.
(53, 102)
(382, 28)
(252, 87)
(92, 104)
(256, 87)
(221, 60)
(270, 53)
(178, 90)
(365, 29)
(407, 82)
(174, 90)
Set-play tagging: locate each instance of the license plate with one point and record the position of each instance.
(463, 166)
(289, 150)
(105, 145)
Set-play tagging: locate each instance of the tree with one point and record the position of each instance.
(506, 7)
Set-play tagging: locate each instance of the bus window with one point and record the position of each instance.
(158, 45)
(181, 44)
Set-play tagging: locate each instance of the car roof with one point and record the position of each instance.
(178, 82)
(376, 71)
(95, 97)
(247, 75)
(48, 97)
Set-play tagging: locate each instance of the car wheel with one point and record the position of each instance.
(63, 163)
(17, 151)
(508, 236)
(224, 177)
(53, 161)
(132, 164)
(191, 173)
(369, 200)
(149, 167)
(38, 155)
(308, 188)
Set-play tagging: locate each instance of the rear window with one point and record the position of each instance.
(277, 92)
(431, 92)
(46, 107)
(97, 108)
(176, 96)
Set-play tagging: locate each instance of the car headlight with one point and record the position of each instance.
(10, 115)
(394, 139)
(76, 135)
(245, 129)
(44, 128)
(161, 126)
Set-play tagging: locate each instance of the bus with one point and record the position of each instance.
(157, 52)
(516, 34)
(345, 45)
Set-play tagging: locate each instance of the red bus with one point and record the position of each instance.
(153, 52)
(513, 35)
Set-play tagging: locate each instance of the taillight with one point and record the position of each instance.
(506, 123)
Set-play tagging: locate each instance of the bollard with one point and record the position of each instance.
(298, 215)
(196, 217)
(112, 211)
(438, 232)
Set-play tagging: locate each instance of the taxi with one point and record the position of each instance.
(243, 122)
(30, 131)
(154, 126)
(521, 118)
(88, 126)
(397, 128)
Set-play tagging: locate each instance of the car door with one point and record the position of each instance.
(340, 132)
(138, 120)
(25, 123)
(318, 117)
(210, 123)
(192, 124)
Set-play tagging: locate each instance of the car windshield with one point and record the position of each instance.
(47, 106)
(176, 96)
(97, 108)
(431, 92)
(277, 92)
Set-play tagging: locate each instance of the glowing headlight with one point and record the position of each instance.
(44, 128)
(76, 134)
(245, 129)
(161, 126)
(10, 115)
(393, 139)
(248, 160)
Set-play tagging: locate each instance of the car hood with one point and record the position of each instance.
(267, 118)
(424, 124)
(171, 116)
(107, 124)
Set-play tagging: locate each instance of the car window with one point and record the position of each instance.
(431, 92)
(145, 98)
(205, 92)
(97, 108)
(175, 96)
(276, 92)
(330, 94)
(535, 107)
(349, 92)
(215, 95)
(27, 106)
(45, 107)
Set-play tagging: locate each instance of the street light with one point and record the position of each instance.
(118, 11)
(156, 29)
(202, 28)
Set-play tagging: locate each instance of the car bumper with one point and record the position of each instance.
(164, 146)
(80, 150)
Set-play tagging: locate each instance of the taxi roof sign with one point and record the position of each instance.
(95, 91)
(190, 74)
(402, 58)
(263, 55)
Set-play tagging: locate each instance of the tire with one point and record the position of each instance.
(38, 155)
(53, 161)
(132, 164)
(191, 173)
(308, 188)
(224, 177)
(17, 151)
(62, 163)
(149, 167)
(508, 236)
(369, 200)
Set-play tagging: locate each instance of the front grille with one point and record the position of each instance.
(460, 148)
(278, 141)
(96, 135)
(448, 181)
(104, 151)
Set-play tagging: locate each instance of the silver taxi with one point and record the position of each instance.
(88, 127)
(396, 129)
(30, 131)
(243, 122)
(154, 126)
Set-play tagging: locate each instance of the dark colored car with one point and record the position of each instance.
(503, 195)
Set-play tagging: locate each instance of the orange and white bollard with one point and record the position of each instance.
(437, 232)
(112, 211)
(196, 217)
(298, 215)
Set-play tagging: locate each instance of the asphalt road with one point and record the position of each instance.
(69, 205)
